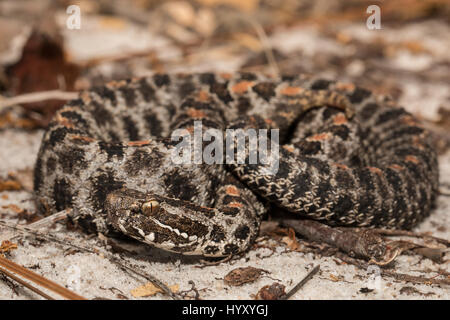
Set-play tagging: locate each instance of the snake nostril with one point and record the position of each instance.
(135, 208)
(150, 207)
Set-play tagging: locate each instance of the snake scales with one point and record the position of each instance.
(107, 155)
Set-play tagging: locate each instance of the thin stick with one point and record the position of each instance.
(266, 46)
(113, 259)
(25, 284)
(263, 38)
(388, 232)
(34, 277)
(37, 96)
(395, 275)
(301, 283)
(44, 222)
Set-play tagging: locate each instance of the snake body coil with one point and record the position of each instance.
(108, 155)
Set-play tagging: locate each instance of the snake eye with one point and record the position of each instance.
(150, 207)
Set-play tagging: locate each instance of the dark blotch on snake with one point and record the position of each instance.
(320, 84)
(207, 78)
(71, 158)
(100, 114)
(141, 160)
(62, 195)
(390, 114)
(112, 149)
(130, 127)
(130, 96)
(75, 117)
(358, 95)
(146, 90)
(105, 92)
(342, 131)
(221, 90)
(161, 79)
(178, 186)
(217, 234)
(243, 105)
(265, 90)
(242, 232)
(103, 184)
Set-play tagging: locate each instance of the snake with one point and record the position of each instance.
(345, 157)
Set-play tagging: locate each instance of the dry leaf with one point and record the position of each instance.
(334, 278)
(7, 246)
(13, 207)
(182, 12)
(8, 185)
(273, 292)
(291, 241)
(149, 289)
(240, 276)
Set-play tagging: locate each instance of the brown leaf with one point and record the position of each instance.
(9, 185)
(7, 246)
(335, 278)
(271, 292)
(240, 276)
(291, 241)
(42, 67)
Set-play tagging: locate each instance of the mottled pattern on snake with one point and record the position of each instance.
(107, 154)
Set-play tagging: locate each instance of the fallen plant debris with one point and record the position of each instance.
(10, 185)
(301, 283)
(42, 67)
(392, 274)
(413, 291)
(271, 292)
(364, 243)
(8, 268)
(185, 294)
(7, 246)
(240, 276)
(149, 289)
(113, 259)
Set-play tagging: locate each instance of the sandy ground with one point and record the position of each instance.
(94, 276)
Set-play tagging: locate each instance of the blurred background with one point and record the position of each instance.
(54, 48)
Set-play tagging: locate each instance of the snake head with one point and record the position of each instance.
(166, 223)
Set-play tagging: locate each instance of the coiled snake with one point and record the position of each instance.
(108, 155)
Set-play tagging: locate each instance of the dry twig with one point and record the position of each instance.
(110, 257)
(301, 283)
(37, 96)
